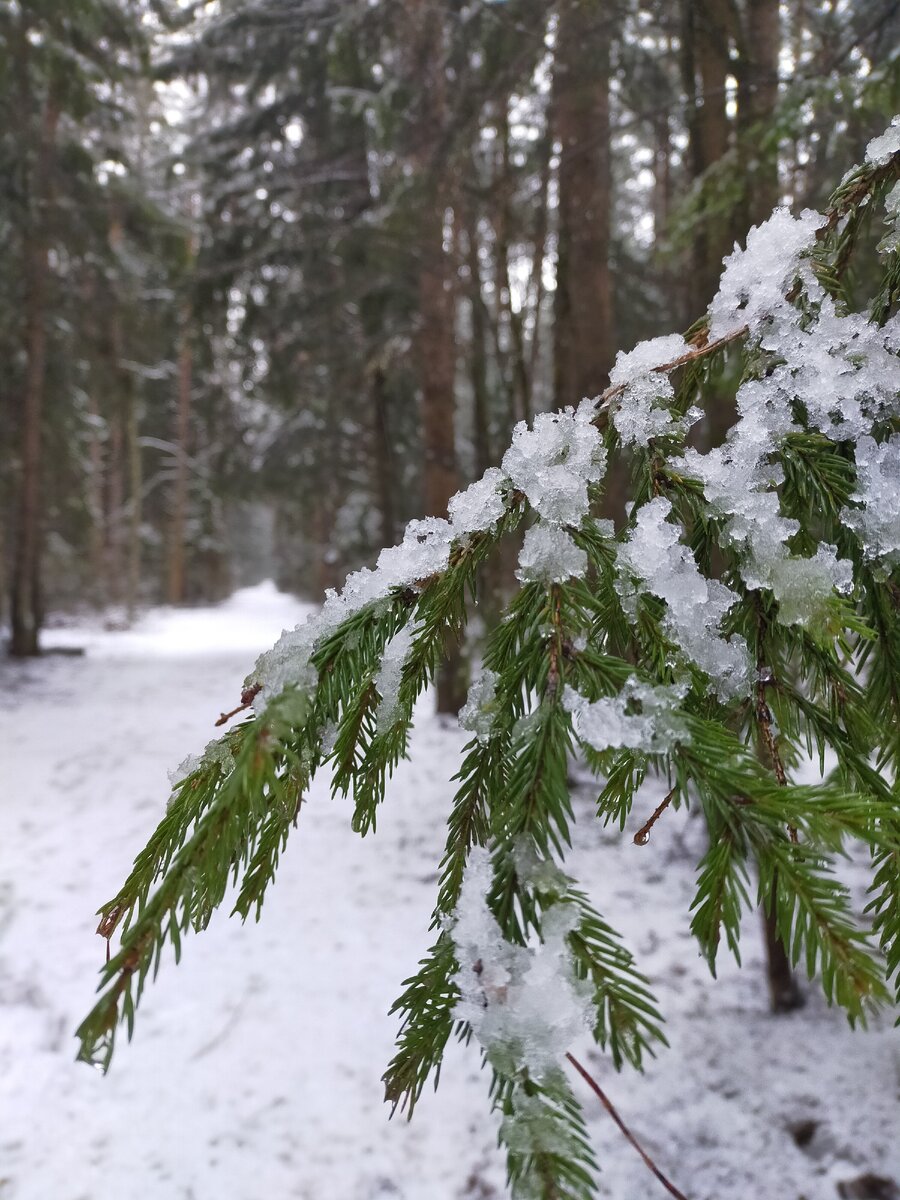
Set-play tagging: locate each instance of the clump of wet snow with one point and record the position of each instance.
(882, 148)
(695, 606)
(424, 552)
(217, 753)
(755, 279)
(877, 519)
(478, 713)
(550, 555)
(536, 872)
(387, 680)
(554, 462)
(185, 769)
(640, 717)
(647, 356)
(641, 411)
(890, 243)
(480, 505)
(525, 1005)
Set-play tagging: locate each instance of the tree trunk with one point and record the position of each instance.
(478, 357)
(784, 991)
(383, 456)
(135, 487)
(436, 343)
(584, 341)
(127, 515)
(757, 99)
(26, 603)
(583, 329)
(705, 66)
(176, 582)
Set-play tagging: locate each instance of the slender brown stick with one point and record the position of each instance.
(607, 1104)
(700, 351)
(642, 837)
(248, 695)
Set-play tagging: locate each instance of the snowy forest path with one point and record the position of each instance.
(257, 1071)
(256, 1067)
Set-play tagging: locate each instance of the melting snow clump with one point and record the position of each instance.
(641, 411)
(480, 506)
(641, 717)
(877, 521)
(477, 714)
(695, 605)
(554, 462)
(217, 752)
(549, 555)
(755, 279)
(387, 681)
(424, 551)
(525, 1005)
(881, 149)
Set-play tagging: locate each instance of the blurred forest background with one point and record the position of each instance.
(279, 275)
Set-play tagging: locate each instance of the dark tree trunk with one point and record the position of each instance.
(478, 356)
(705, 66)
(383, 456)
(436, 342)
(784, 992)
(26, 601)
(757, 99)
(584, 340)
(176, 581)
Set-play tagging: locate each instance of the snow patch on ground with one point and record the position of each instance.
(256, 1065)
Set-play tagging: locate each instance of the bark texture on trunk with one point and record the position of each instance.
(584, 337)
(757, 99)
(383, 456)
(176, 573)
(705, 66)
(784, 991)
(26, 601)
(435, 343)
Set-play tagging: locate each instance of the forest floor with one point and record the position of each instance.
(255, 1068)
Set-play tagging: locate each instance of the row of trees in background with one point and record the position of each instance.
(314, 259)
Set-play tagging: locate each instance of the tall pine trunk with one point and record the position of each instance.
(26, 600)
(757, 99)
(383, 458)
(705, 66)
(583, 330)
(584, 336)
(176, 572)
(436, 341)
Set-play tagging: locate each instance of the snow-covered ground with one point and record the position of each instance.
(256, 1063)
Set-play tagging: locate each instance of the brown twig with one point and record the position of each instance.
(623, 1128)
(701, 351)
(248, 695)
(642, 837)
(764, 720)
